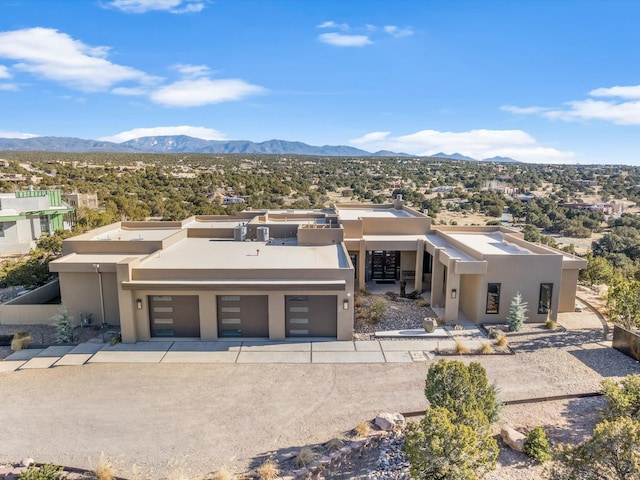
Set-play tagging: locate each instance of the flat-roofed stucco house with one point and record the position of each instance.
(294, 273)
(27, 214)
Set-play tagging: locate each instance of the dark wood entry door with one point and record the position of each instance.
(385, 265)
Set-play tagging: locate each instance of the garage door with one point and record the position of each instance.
(174, 315)
(243, 315)
(311, 315)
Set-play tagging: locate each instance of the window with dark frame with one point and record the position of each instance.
(493, 298)
(546, 293)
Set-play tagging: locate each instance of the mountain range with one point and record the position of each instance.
(186, 144)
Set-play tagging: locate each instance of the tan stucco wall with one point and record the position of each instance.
(81, 293)
(470, 296)
(568, 287)
(28, 314)
(523, 273)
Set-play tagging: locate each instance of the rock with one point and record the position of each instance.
(513, 438)
(388, 421)
(26, 462)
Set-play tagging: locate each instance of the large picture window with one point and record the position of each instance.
(493, 298)
(544, 302)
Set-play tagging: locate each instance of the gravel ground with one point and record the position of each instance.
(399, 314)
(42, 335)
(149, 414)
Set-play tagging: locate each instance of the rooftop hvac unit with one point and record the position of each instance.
(262, 233)
(240, 233)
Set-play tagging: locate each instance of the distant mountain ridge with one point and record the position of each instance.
(459, 156)
(183, 144)
(186, 144)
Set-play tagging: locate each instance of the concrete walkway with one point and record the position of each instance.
(373, 351)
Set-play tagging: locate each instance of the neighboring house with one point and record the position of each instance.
(294, 273)
(25, 215)
(86, 200)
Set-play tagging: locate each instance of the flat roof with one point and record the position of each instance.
(94, 258)
(356, 213)
(441, 242)
(489, 243)
(215, 223)
(208, 254)
(136, 234)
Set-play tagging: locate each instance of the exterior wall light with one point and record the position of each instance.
(454, 293)
(139, 303)
(345, 304)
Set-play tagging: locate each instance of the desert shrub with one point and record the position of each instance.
(461, 347)
(461, 388)
(21, 339)
(502, 341)
(623, 398)
(305, 457)
(334, 444)
(495, 332)
(415, 295)
(486, 348)
(612, 453)
(223, 474)
(422, 303)
(269, 470)
(362, 429)
(358, 301)
(377, 310)
(104, 469)
(551, 324)
(442, 446)
(64, 328)
(537, 446)
(45, 472)
(393, 296)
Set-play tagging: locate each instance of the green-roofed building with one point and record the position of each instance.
(27, 214)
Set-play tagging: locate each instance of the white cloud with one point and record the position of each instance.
(203, 91)
(56, 56)
(130, 91)
(192, 71)
(523, 110)
(622, 107)
(478, 144)
(9, 87)
(5, 134)
(398, 32)
(4, 72)
(172, 6)
(331, 24)
(632, 92)
(341, 40)
(196, 132)
(370, 137)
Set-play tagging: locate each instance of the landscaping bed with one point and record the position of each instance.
(43, 335)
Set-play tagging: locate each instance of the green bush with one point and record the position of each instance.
(461, 388)
(45, 472)
(536, 445)
(64, 328)
(442, 446)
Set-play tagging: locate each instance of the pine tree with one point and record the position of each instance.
(517, 313)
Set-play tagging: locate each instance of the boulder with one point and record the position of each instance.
(513, 438)
(27, 462)
(388, 421)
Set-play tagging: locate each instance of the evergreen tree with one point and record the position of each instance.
(517, 313)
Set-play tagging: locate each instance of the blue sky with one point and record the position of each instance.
(540, 81)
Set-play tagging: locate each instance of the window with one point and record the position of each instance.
(44, 224)
(1, 230)
(546, 293)
(493, 298)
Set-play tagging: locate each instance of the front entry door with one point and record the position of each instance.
(385, 265)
